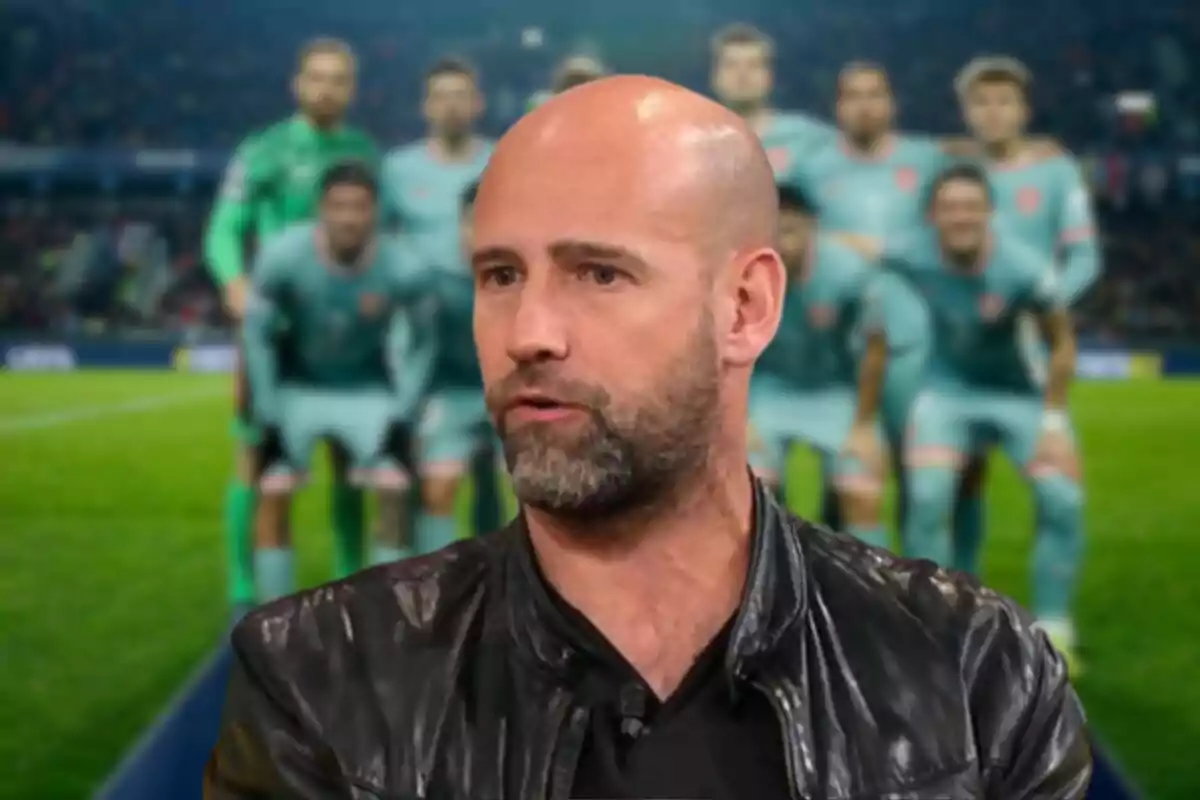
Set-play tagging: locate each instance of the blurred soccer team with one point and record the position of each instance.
(926, 318)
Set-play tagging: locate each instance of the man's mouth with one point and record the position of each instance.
(535, 407)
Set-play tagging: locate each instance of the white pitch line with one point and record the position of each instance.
(33, 422)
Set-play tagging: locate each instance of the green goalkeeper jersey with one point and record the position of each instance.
(272, 182)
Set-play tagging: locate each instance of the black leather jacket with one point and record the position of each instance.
(446, 677)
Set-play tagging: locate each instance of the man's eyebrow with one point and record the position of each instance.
(575, 249)
(490, 255)
(566, 250)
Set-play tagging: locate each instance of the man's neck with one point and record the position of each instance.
(453, 146)
(321, 125)
(1007, 151)
(869, 145)
(967, 260)
(758, 117)
(659, 586)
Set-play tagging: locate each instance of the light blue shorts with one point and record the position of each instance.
(948, 424)
(453, 428)
(358, 421)
(780, 416)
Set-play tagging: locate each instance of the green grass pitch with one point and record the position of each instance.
(111, 585)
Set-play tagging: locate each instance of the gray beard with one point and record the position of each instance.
(624, 460)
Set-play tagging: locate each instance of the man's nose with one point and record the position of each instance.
(539, 327)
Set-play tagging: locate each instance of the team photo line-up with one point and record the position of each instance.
(926, 320)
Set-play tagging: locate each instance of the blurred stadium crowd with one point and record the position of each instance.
(1116, 81)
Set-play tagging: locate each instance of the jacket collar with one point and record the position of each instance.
(773, 601)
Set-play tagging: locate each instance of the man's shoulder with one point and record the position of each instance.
(291, 243)
(799, 123)
(413, 155)
(913, 247)
(944, 617)
(385, 613)
(263, 139)
(258, 154)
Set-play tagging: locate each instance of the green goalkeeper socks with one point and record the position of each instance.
(346, 506)
(239, 544)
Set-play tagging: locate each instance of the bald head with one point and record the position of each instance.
(625, 277)
(677, 150)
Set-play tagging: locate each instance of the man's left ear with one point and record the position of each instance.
(756, 297)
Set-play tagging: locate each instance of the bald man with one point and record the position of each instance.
(653, 624)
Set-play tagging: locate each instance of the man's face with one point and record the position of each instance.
(451, 103)
(995, 111)
(595, 333)
(325, 86)
(742, 76)
(795, 236)
(961, 211)
(864, 107)
(348, 215)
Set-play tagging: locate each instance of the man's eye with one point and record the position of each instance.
(601, 274)
(498, 276)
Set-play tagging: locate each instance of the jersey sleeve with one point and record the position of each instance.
(811, 132)
(855, 275)
(1045, 292)
(871, 305)
(1080, 253)
(901, 252)
(412, 335)
(232, 217)
(800, 177)
(389, 192)
(264, 313)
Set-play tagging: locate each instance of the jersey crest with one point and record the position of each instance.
(906, 179)
(991, 306)
(1028, 200)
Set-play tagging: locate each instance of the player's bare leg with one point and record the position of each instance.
(858, 474)
(862, 508)
(968, 525)
(274, 559)
(348, 514)
(437, 526)
(393, 538)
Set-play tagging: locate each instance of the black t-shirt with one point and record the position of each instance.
(706, 742)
